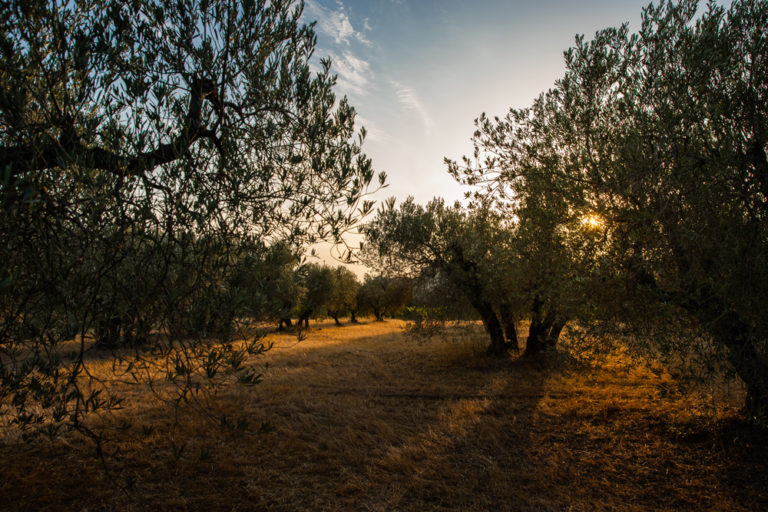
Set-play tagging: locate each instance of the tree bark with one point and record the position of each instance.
(750, 365)
(498, 346)
(536, 331)
(285, 323)
(554, 332)
(544, 330)
(510, 331)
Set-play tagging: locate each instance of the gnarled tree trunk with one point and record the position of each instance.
(747, 360)
(498, 346)
(285, 323)
(537, 330)
(508, 320)
(545, 329)
(554, 332)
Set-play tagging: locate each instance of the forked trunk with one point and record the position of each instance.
(285, 323)
(108, 332)
(544, 331)
(474, 292)
(554, 332)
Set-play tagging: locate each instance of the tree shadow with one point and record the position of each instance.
(474, 455)
(374, 421)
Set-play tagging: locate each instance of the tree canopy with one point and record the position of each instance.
(657, 140)
(148, 149)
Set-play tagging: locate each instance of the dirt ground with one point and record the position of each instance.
(363, 418)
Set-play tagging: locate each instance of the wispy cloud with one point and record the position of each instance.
(334, 23)
(373, 132)
(410, 102)
(354, 73)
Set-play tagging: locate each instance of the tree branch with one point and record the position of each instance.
(26, 158)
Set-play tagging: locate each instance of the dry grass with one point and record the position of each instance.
(364, 419)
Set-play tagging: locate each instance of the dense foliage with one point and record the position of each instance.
(342, 300)
(382, 296)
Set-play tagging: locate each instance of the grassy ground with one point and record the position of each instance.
(362, 418)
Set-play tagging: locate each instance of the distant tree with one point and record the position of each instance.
(482, 255)
(342, 298)
(317, 282)
(145, 149)
(370, 298)
(383, 296)
(272, 290)
(397, 293)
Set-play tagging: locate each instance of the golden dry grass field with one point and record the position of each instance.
(362, 418)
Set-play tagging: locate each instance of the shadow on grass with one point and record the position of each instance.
(376, 422)
(372, 423)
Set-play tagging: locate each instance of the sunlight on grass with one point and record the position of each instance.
(362, 417)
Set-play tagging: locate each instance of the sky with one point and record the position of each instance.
(418, 72)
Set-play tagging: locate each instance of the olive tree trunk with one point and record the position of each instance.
(510, 331)
(498, 346)
(750, 364)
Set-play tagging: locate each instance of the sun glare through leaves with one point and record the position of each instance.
(592, 221)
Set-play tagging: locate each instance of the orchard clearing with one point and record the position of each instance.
(363, 417)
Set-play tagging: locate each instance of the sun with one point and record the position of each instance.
(592, 221)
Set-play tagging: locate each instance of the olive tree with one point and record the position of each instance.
(342, 298)
(383, 295)
(659, 140)
(481, 254)
(316, 282)
(145, 147)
